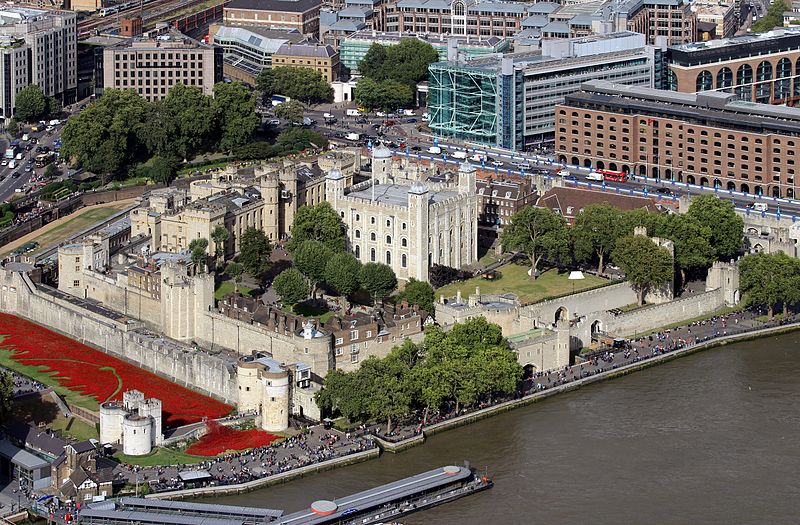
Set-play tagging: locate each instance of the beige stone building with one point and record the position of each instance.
(405, 221)
(721, 14)
(319, 57)
(151, 66)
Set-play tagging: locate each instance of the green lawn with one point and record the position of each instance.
(35, 409)
(514, 279)
(310, 311)
(226, 287)
(161, 456)
(77, 428)
(38, 373)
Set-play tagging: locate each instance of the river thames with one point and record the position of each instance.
(709, 438)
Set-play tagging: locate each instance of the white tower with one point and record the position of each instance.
(466, 178)
(418, 213)
(334, 187)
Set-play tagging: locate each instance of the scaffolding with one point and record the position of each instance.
(463, 102)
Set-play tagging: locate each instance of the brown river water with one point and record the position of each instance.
(709, 438)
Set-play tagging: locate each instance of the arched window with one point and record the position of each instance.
(783, 72)
(404, 242)
(372, 236)
(358, 234)
(358, 217)
(672, 81)
(372, 254)
(763, 76)
(458, 8)
(388, 257)
(358, 251)
(403, 260)
(388, 239)
(705, 81)
(725, 79)
(744, 79)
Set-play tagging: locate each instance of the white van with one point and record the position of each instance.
(759, 206)
(595, 176)
(461, 155)
(12, 164)
(477, 157)
(353, 113)
(25, 137)
(408, 112)
(435, 150)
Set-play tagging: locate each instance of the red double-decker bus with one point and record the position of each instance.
(614, 176)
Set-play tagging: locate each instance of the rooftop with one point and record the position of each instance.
(288, 6)
(397, 195)
(396, 36)
(306, 50)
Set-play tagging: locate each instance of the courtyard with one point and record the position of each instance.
(513, 278)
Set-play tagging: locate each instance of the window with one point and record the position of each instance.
(404, 242)
(369, 333)
(372, 236)
(388, 239)
(403, 261)
(358, 234)
(388, 257)
(353, 335)
(339, 340)
(388, 223)
(339, 351)
(372, 220)
(403, 226)
(372, 254)
(76, 283)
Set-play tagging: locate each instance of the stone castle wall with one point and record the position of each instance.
(121, 338)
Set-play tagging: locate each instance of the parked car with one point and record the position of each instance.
(411, 121)
(665, 191)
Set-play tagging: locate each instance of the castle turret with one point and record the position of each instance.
(466, 178)
(270, 193)
(334, 186)
(381, 163)
(418, 211)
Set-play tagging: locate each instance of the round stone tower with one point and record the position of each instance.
(247, 381)
(275, 412)
(381, 164)
(136, 435)
(111, 415)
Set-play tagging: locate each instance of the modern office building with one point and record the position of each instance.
(37, 47)
(508, 101)
(302, 15)
(758, 67)
(672, 20)
(151, 66)
(353, 48)
(720, 13)
(456, 17)
(309, 55)
(708, 138)
(248, 50)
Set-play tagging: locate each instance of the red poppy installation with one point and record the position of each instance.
(221, 439)
(83, 369)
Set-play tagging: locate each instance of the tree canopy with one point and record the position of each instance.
(406, 62)
(234, 271)
(595, 233)
(6, 395)
(312, 258)
(31, 103)
(198, 248)
(647, 266)
(773, 18)
(317, 223)
(726, 227)
(384, 95)
(419, 293)
(296, 83)
(291, 110)
(341, 272)
(465, 365)
(235, 107)
(538, 233)
(378, 279)
(192, 115)
(768, 279)
(254, 252)
(291, 286)
(693, 248)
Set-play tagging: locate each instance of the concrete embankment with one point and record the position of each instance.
(466, 419)
(276, 479)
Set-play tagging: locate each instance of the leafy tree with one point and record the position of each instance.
(631, 219)
(386, 95)
(264, 82)
(291, 110)
(767, 279)
(13, 127)
(235, 270)
(54, 107)
(192, 115)
(318, 223)
(296, 139)
(51, 171)
(419, 293)
(312, 258)
(219, 235)
(235, 107)
(693, 250)
(198, 249)
(254, 252)
(378, 279)
(31, 103)
(105, 137)
(158, 131)
(374, 63)
(341, 272)
(258, 150)
(726, 227)
(6, 395)
(291, 286)
(163, 169)
(646, 265)
(537, 232)
(298, 84)
(595, 233)
(773, 18)
(390, 396)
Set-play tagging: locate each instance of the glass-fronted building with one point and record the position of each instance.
(508, 100)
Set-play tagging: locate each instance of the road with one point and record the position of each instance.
(8, 183)
(409, 141)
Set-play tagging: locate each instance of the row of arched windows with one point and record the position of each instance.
(374, 237)
(387, 259)
(745, 76)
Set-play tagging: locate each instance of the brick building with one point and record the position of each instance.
(710, 139)
(302, 15)
(757, 67)
(669, 19)
(498, 200)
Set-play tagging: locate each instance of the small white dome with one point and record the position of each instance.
(334, 174)
(381, 152)
(466, 167)
(418, 188)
